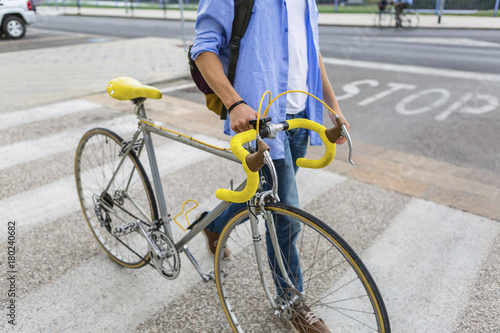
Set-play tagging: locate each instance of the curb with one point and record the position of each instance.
(320, 24)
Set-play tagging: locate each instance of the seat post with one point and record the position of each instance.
(139, 109)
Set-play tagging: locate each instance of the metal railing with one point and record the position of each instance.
(424, 6)
(429, 6)
(455, 6)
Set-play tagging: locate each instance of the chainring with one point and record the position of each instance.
(168, 264)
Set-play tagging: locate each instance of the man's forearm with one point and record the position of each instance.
(211, 68)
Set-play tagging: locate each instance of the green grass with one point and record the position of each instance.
(348, 9)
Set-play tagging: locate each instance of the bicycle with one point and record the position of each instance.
(132, 224)
(408, 18)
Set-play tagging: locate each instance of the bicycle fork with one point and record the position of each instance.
(283, 310)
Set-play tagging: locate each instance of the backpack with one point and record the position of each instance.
(242, 13)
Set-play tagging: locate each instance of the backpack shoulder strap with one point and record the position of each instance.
(242, 14)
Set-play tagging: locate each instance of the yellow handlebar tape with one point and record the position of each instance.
(252, 177)
(320, 129)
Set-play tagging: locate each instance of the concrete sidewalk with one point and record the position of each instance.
(333, 19)
(66, 72)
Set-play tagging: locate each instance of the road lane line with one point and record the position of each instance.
(413, 69)
(462, 42)
(32, 115)
(179, 87)
(68, 36)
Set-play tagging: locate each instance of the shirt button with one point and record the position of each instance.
(286, 30)
(285, 58)
(283, 84)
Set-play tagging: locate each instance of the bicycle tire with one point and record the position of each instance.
(410, 19)
(98, 156)
(337, 285)
(384, 18)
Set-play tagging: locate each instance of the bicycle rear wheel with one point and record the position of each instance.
(383, 18)
(334, 282)
(112, 212)
(410, 19)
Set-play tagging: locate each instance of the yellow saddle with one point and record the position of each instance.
(127, 88)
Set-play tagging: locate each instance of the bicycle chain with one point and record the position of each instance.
(128, 247)
(137, 254)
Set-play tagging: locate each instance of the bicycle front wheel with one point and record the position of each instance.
(410, 19)
(332, 280)
(114, 197)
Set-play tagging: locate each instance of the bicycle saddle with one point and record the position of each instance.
(127, 88)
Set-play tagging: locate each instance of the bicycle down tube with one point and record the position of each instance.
(147, 128)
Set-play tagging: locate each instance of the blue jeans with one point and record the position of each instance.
(295, 142)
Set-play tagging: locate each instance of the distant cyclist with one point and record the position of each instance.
(399, 6)
(382, 4)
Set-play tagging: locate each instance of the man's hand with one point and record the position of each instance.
(240, 116)
(341, 140)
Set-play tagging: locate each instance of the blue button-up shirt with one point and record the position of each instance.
(263, 57)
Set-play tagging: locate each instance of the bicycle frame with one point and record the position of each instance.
(147, 128)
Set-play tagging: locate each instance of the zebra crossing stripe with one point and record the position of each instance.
(66, 108)
(31, 150)
(427, 261)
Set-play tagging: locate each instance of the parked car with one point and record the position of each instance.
(14, 16)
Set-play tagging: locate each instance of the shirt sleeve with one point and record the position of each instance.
(214, 23)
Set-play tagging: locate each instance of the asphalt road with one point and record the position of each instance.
(469, 50)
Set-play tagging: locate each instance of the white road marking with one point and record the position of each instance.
(45, 112)
(413, 69)
(393, 87)
(100, 296)
(440, 41)
(313, 183)
(46, 39)
(31, 150)
(425, 263)
(178, 87)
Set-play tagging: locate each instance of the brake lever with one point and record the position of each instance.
(345, 134)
